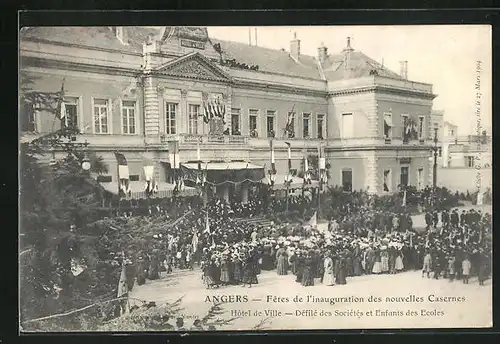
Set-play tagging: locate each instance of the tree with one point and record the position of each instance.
(52, 198)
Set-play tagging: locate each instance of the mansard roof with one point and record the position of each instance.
(268, 60)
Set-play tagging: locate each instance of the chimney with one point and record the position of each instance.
(322, 52)
(404, 70)
(347, 59)
(295, 47)
(121, 34)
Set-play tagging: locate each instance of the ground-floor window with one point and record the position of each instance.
(347, 180)
(404, 176)
(387, 180)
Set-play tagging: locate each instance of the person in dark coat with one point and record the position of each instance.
(428, 220)
(154, 267)
(249, 275)
(141, 271)
(224, 270)
(237, 269)
(340, 270)
(282, 258)
(308, 272)
(300, 266)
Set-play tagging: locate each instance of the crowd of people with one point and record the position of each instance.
(360, 240)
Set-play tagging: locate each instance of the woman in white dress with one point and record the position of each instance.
(328, 276)
(399, 261)
(377, 266)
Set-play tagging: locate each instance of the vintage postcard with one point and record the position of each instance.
(184, 178)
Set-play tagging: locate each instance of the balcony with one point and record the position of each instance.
(205, 139)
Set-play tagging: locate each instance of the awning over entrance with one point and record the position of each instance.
(218, 173)
(233, 165)
(279, 182)
(137, 190)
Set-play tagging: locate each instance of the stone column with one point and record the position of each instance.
(151, 108)
(371, 175)
(183, 115)
(226, 97)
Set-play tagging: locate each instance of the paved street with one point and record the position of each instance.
(475, 311)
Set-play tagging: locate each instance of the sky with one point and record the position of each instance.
(443, 55)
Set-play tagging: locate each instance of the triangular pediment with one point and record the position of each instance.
(193, 66)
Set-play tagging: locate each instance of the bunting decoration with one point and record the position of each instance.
(151, 186)
(123, 175)
(404, 198)
(213, 109)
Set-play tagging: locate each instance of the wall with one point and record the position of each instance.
(395, 165)
(87, 86)
(281, 103)
(399, 105)
(352, 160)
(363, 108)
(463, 179)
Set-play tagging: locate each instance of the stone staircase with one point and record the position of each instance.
(258, 220)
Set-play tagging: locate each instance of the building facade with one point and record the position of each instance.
(136, 89)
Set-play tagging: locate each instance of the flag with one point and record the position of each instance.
(148, 176)
(404, 198)
(289, 127)
(123, 173)
(122, 284)
(207, 225)
(62, 106)
(194, 242)
(173, 151)
(289, 156)
(479, 199)
(313, 221)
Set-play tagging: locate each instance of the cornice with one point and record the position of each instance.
(79, 67)
(382, 89)
(80, 46)
(279, 88)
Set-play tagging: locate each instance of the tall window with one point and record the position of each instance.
(305, 125)
(404, 176)
(252, 122)
(347, 126)
(421, 127)
(101, 115)
(321, 126)
(270, 123)
(171, 118)
(128, 117)
(71, 119)
(405, 128)
(194, 111)
(347, 180)
(387, 180)
(387, 126)
(420, 178)
(235, 121)
(469, 161)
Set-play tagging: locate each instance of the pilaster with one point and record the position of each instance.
(371, 180)
(151, 111)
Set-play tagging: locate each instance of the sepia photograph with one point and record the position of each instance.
(209, 178)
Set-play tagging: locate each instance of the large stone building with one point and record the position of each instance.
(136, 89)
